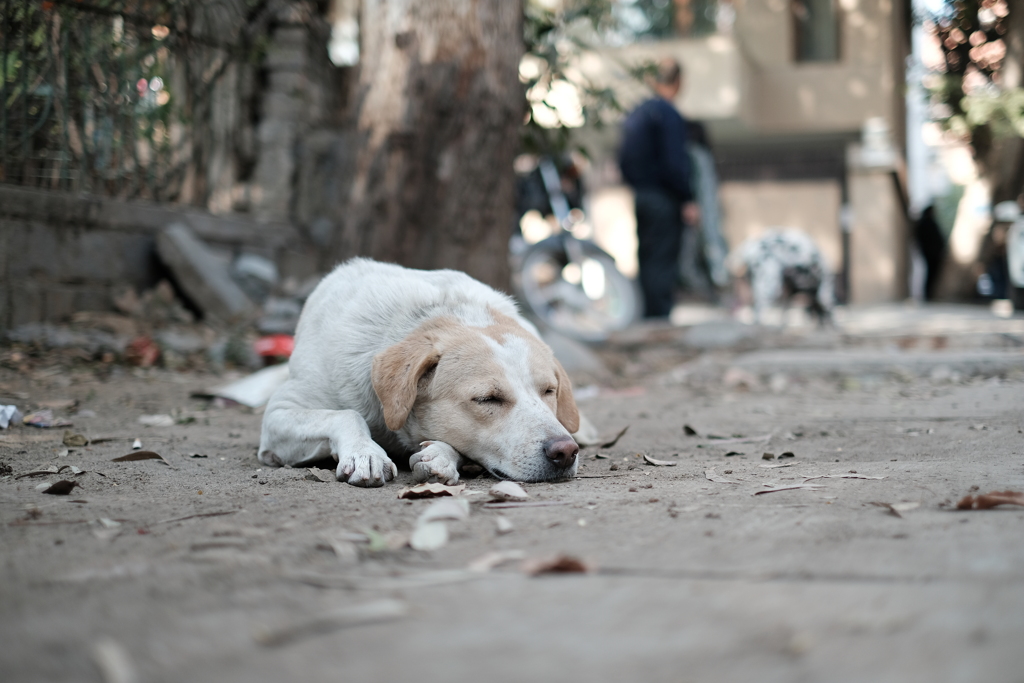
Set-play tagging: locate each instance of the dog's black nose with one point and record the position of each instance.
(561, 451)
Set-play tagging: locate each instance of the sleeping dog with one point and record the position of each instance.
(433, 365)
(781, 264)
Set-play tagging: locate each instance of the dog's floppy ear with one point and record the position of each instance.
(565, 404)
(396, 373)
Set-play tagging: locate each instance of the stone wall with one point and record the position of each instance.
(61, 253)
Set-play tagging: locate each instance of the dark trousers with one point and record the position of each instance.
(659, 230)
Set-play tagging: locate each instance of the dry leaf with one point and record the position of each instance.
(61, 488)
(508, 490)
(495, 558)
(658, 463)
(447, 508)
(357, 615)
(560, 564)
(776, 465)
(711, 475)
(896, 508)
(317, 474)
(75, 440)
(430, 491)
(140, 455)
(850, 475)
(990, 500)
(429, 536)
(524, 504)
(615, 439)
(788, 487)
(690, 431)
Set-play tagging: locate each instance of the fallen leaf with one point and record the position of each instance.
(345, 617)
(109, 523)
(429, 536)
(690, 431)
(715, 440)
(732, 453)
(788, 487)
(161, 420)
(139, 455)
(525, 504)
(61, 488)
(990, 500)
(559, 564)
(659, 463)
(508, 490)
(787, 454)
(447, 508)
(504, 525)
(430, 491)
(850, 475)
(767, 456)
(198, 455)
(75, 440)
(495, 558)
(600, 456)
(896, 508)
(775, 465)
(52, 469)
(615, 439)
(317, 474)
(711, 475)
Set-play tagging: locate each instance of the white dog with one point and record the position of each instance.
(432, 364)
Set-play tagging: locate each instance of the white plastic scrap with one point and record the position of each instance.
(9, 414)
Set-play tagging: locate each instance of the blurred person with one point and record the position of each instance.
(932, 245)
(654, 162)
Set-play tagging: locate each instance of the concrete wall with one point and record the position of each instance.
(750, 208)
(61, 253)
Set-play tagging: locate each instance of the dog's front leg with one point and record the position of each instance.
(296, 436)
(436, 459)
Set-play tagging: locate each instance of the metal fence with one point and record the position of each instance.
(117, 97)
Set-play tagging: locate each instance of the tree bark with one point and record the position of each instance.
(437, 113)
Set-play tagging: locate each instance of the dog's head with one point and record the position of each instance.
(496, 394)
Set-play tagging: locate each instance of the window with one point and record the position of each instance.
(816, 29)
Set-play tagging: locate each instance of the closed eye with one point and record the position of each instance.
(492, 399)
(550, 391)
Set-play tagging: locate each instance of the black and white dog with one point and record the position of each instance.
(780, 264)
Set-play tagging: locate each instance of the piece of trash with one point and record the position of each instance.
(345, 617)
(142, 352)
(44, 419)
(775, 465)
(659, 463)
(508, 490)
(9, 415)
(254, 390)
(114, 662)
(45, 485)
(434, 490)
(601, 456)
(979, 427)
(198, 455)
(559, 564)
(61, 488)
(896, 509)
(161, 420)
(690, 431)
(990, 500)
(788, 487)
(615, 439)
(447, 508)
(76, 470)
(137, 444)
(504, 525)
(317, 474)
(711, 475)
(274, 346)
(109, 523)
(75, 440)
(767, 456)
(429, 536)
(495, 558)
(787, 454)
(63, 453)
(139, 455)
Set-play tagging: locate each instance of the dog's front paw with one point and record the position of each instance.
(366, 465)
(436, 459)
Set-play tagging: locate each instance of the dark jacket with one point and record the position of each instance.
(653, 152)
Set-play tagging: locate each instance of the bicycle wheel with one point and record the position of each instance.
(585, 301)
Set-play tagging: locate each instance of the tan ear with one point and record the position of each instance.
(565, 405)
(396, 372)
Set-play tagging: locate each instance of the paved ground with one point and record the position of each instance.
(693, 579)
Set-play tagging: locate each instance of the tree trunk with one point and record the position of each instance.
(437, 113)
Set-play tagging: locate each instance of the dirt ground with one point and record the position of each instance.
(216, 569)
